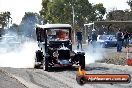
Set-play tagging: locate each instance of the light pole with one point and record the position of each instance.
(73, 15)
(73, 21)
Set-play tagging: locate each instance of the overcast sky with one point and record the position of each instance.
(110, 4)
(19, 7)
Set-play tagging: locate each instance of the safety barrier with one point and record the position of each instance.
(129, 59)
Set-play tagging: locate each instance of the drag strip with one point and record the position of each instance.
(37, 78)
(34, 82)
(7, 81)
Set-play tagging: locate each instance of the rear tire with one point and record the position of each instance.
(38, 58)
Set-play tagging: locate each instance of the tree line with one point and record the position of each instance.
(4, 18)
(75, 12)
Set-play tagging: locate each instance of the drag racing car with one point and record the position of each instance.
(55, 47)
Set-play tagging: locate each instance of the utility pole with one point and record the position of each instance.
(73, 14)
(73, 21)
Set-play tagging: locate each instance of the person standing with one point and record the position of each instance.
(88, 39)
(126, 39)
(119, 36)
(94, 38)
(79, 39)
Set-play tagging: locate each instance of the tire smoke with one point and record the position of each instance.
(93, 54)
(17, 53)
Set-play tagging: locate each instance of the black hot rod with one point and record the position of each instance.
(55, 43)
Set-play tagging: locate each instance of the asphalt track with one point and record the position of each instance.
(60, 77)
(63, 77)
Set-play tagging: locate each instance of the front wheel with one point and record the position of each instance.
(45, 64)
(82, 62)
(80, 79)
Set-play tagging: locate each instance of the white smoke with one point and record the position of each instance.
(93, 54)
(17, 53)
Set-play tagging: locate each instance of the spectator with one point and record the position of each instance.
(126, 39)
(94, 38)
(119, 36)
(89, 39)
(79, 39)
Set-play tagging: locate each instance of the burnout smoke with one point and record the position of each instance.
(92, 55)
(17, 53)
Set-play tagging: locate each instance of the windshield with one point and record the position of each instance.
(57, 34)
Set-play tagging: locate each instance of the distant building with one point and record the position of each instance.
(112, 26)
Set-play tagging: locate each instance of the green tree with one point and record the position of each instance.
(14, 28)
(55, 12)
(129, 2)
(4, 18)
(75, 12)
(83, 12)
(28, 24)
(44, 11)
(99, 11)
(4, 21)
